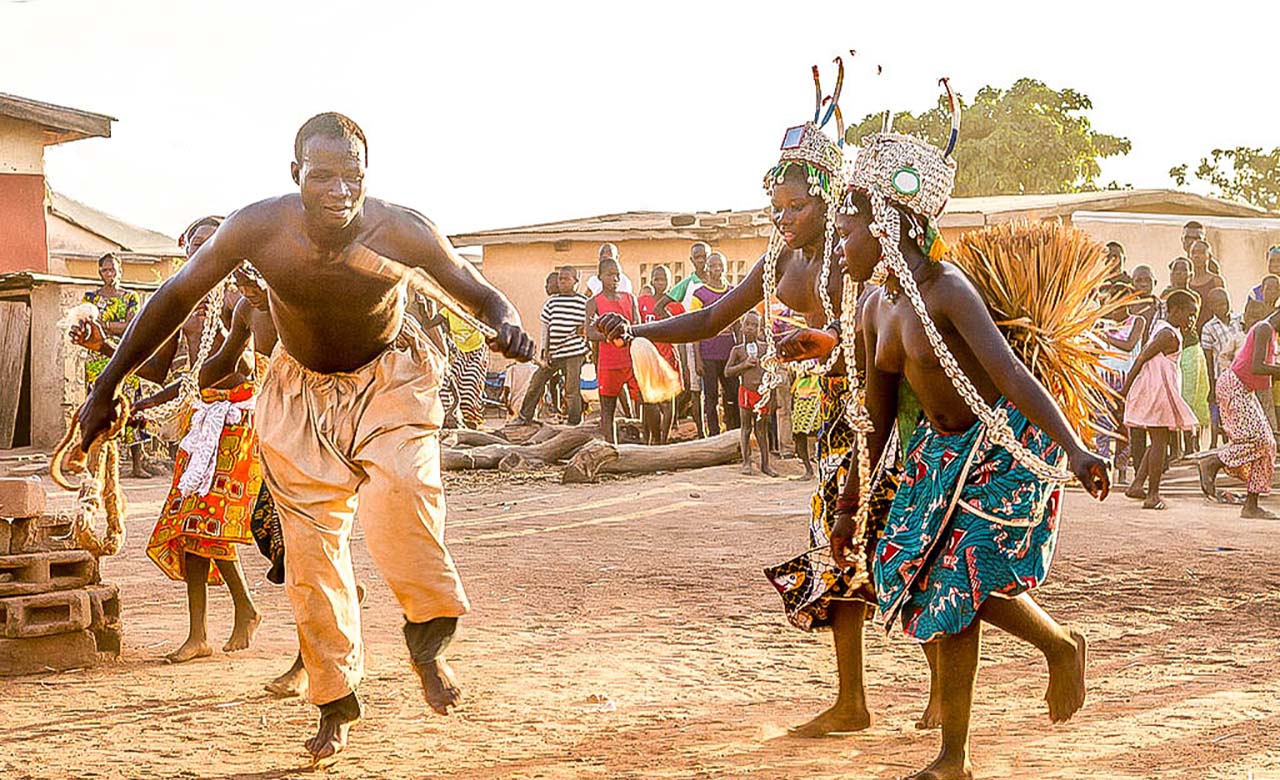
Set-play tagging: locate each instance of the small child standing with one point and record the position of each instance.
(1153, 395)
(744, 363)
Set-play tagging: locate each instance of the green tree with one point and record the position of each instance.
(1028, 138)
(1244, 173)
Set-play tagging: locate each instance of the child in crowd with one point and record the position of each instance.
(1220, 338)
(660, 430)
(744, 363)
(613, 369)
(1153, 394)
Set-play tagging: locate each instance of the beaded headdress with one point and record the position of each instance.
(909, 173)
(822, 160)
(906, 177)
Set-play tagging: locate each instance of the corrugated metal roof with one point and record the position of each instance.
(130, 238)
(963, 212)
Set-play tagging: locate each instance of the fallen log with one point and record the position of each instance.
(490, 456)
(599, 457)
(465, 437)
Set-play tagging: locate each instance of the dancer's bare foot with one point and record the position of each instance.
(840, 719)
(242, 634)
(768, 471)
(438, 686)
(931, 718)
(190, 650)
(1066, 681)
(1136, 491)
(291, 683)
(946, 766)
(331, 737)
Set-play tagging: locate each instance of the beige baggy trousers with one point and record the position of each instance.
(368, 439)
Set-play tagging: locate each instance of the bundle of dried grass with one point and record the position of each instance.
(1042, 281)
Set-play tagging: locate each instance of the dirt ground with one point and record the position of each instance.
(649, 592)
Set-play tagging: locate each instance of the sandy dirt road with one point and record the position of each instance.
(648, 591)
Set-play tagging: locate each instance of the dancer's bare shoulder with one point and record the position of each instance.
(403, 234)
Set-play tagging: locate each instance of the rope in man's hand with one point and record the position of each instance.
(99, 489)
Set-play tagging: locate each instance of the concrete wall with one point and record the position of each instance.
(1239, 244)
(57, 367)
(22, 230)
(21, 147)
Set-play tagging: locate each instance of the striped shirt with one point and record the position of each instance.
(564, 317)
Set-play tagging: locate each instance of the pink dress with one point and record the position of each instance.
(1155, 398)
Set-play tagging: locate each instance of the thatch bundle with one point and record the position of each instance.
(1042, 281)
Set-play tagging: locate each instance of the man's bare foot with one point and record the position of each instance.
(243, 632)
(931, 718)
(768, 471)
(438, 686)
(840, 719)
(331, 737)
(1066, 681)
(291, 683)
(1257, 513)
(190, 650)
(746, 468)
(1136, 492)
(946, 767)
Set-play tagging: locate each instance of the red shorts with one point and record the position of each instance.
(612, 380)
(747, 399)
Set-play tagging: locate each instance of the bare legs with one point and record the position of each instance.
(427, 643)
(760, 424)
(849, 713)
(957, 665)
(608, 407)
(291, 683)
(247, 619)
(806, 456)
(931, 718)
(1064, 651)
(196, 575)
(336, 720)
(1151, 470)
(957, 674)
(657, 420)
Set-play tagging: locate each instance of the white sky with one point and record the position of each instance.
(490, 114)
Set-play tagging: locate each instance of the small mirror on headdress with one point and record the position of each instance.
(793, 137)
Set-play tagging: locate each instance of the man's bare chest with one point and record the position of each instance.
(313, 282)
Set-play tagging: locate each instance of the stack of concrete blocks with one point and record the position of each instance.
(55, 613)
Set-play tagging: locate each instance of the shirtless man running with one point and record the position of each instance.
(349, 413)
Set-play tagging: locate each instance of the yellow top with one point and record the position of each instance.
(467, 338)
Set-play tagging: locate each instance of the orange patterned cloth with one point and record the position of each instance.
(211, 525)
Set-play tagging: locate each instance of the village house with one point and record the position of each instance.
(49, 250)
(1148, 222)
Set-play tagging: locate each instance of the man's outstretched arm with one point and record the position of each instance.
(168, 308)
(425, 247)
